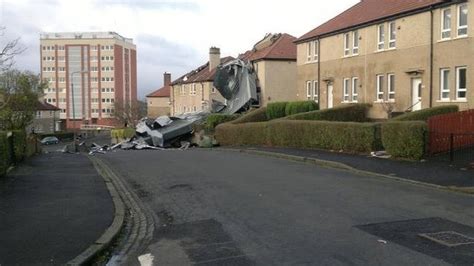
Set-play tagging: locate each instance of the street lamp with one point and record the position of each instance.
(73, 105)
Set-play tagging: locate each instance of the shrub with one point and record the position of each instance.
(405, 139)
(4, 154)
(425, 114)
(300, 107)
(345, 113)
(276, 110)
(351, 137)
(19, 145)
(214, 120)
(123, 133)
(257, 115)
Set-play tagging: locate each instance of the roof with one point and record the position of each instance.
(44, 106)
(163, 92)
(281, 48)
(368, 11)
(200, 74)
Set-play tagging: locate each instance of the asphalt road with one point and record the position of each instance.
(226, 208)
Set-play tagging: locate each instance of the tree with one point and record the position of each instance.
(128, 113)
(22, 90)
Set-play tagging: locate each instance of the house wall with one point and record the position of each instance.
(277, 81)
(188, 103)
(412, 52)
(158, 106)
(44, 122)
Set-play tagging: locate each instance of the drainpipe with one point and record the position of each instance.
(431, 56)
(319, 72)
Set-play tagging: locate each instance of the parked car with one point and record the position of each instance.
(50, 140)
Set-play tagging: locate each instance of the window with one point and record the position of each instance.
(462, 20)
(346, 90)
(316, 50)
(309, 90)
(392, 40)
(94, 58)
(94, 69)
(62, 80)
(380, 89)
(355, 42)
(444, 84)
(315, 91)
(347, 50)
(193, 89)
(61, 58)
(61, 69)
(461, 83)
(391, 87)
(213, 89)
(446, 23)
(381, 37)
(355, 87)
(310, 50)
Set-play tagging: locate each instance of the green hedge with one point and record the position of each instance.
(345, 113)
(425, 114)
(122, 133)
(300, 107)
(19, 145)
(350, 137)
(4, 154)
(256, 115)
(405, 139)
(60, 135)
(214, 120)
(276, 110)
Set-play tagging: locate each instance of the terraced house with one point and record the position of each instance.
(394, 54)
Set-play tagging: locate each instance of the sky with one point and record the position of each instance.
(171, 36)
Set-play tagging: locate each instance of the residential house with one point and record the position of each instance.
(158, 102)
(394, 54)
(194, 91)
(47, 119)
(274, 60)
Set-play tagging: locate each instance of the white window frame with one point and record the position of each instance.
(448, 30)
(391, 90)
(355, 42)
(458, 88)
(380, 88)
(355, 89)
(309, 51)
(315, 91)
(192, 90)
(346, 83)
(392, 28)
(462, 27)
(442, 81)
(316, 51)
(347, 45)
(309, 90)
(380, 38)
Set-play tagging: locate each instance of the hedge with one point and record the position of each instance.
(405, 139)
(345, 113)
(300, 107)
(256, 115)
(425, 114)
(19, 145)
(123, 133)
(350, 137)
(276, 110)
(214, 120)
(4, 154)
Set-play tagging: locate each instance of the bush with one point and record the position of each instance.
(300, 107)
(276, 110)
(214, 120)
(60, 135)
(425, 114)
(4, 154)
(350, 137)
(257, 115)
(405, 139)
(19, 145)
(123, 133)
(345, 113)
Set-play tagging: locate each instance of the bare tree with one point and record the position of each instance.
(388, 107)
(128, 113)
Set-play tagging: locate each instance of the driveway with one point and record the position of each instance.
(226, 208)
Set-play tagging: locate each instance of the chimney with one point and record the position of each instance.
(214, 57)
(166, 79)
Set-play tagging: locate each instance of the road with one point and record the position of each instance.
(225, 208)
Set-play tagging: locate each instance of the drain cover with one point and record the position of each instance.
(449, 238)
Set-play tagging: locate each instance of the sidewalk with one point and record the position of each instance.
(52, 208)
(432, 172)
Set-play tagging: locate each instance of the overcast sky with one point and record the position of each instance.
(172, 36)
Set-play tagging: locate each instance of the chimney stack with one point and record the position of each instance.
(214, 57)
(166, 79)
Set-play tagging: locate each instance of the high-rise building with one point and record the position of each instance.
(89, 73)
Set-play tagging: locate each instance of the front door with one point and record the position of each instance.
(330, 96)
(416, 88)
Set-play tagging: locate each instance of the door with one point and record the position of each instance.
(330, 96)
(416, 89)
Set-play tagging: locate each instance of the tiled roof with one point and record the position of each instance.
(44, 106)
(368, 11)
(161, 92)
(282, 48)
(200, 74)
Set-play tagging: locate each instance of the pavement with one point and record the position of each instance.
(52, 208)
(430, 171)
(220, 207)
